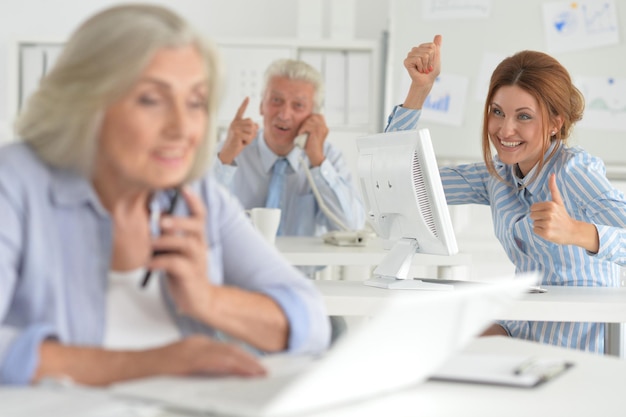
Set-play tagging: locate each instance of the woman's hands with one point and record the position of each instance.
(249, 316)
(184, 258)
(201, 355)
(194, 355)
(423, 64)
(552, 222)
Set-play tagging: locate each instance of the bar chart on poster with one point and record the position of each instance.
(585, 36)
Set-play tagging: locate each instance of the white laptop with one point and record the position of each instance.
(401, 345)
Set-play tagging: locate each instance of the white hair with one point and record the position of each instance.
(301, 71)
(102, 60)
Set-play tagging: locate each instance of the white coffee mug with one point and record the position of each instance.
(266, 220)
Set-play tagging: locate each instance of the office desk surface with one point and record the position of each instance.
(593, 386)
(591, 304)
(313, 251)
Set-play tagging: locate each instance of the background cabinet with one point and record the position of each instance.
(351, 70)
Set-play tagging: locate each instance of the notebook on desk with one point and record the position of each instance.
(506, 370)
(401, 345)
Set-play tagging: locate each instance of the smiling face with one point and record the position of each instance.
(286, 104)
(516, 127)
(149, 137)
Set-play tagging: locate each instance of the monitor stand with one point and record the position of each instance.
(406, 284)
(393, 272)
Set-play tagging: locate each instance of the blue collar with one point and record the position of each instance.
(70, 189)
(268, 157)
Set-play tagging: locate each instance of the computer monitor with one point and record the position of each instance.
(406, 205)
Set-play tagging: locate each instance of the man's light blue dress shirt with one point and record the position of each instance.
(588, 196)
(55, 250)
(249, 178)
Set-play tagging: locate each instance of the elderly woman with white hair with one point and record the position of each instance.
(108, 184)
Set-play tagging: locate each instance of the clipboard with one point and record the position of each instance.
(505, 370)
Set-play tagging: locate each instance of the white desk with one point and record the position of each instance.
(591, 304)
(581, 304)
(594, 386)
(313, 251)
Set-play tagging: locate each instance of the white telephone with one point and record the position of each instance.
(345, 236)
(300, 140)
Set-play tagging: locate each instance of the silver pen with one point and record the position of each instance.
(543, 368)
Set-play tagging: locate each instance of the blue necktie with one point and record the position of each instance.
(277, 183)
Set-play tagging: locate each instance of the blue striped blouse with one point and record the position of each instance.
(588, 196)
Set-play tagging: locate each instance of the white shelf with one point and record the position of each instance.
(351, 71)
(351, 94)
(313, 251)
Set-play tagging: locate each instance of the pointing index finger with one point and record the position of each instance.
(242, 108)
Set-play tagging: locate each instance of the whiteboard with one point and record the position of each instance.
(511, 26)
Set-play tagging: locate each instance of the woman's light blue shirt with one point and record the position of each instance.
(588, 196)
(55, 250)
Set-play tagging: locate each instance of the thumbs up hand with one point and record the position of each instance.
(423, 64)
(424, 59)
(241, 132)
(551, 220)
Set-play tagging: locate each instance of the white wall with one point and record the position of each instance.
(512, 26)
(56, 19)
